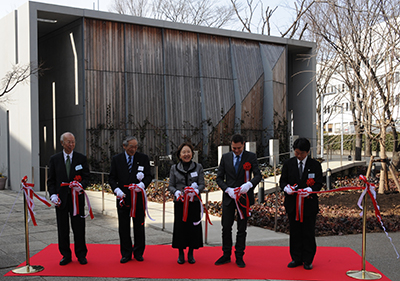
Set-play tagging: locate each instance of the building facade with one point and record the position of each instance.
(108, 75)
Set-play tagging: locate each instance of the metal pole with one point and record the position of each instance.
(276, 206)
(322, 126)
(206, 227)
(363, 274)
(102, 193)
(341, 139)
(27, 268)
(45, 182)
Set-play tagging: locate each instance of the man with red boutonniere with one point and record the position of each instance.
(301, 175)
(68, 177)
(129, 177)
(234, 177)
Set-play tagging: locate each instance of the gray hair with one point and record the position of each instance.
(63, 135)
(128, 139)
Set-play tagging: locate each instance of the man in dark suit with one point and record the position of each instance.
(128, 168)
(234, 178)
(63, 168)
(307, 174)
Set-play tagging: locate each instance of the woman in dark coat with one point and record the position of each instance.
(187, 175)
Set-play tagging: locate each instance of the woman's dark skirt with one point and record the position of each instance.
(186, 234)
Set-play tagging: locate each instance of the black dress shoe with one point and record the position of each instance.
(240, 263)
(294, 264)
(191, 259)
(65, 261)
(82, 261)
(223, 260)
(308, 266)
(139, 258)
(125, 259)
(181, 259)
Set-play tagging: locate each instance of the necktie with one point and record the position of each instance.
(237, 163)
(130, 162)
(68, 165)
(301, 169)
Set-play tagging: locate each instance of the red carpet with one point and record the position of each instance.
(262, 262)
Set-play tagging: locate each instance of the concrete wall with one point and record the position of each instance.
(301, 93)
(19, 31)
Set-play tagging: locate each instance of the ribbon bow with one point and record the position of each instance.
(29, 193)
(237, 202)
(76, 190)
(134, 188)
(188, 196)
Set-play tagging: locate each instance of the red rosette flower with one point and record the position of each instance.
(310, 182)
(247, 166)
(78, 178)
(24, 179)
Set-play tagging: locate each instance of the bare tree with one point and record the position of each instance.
(246, 16)
(365, 46)
(198, 12)
(19, 74)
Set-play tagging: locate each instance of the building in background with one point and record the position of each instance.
(109, 75)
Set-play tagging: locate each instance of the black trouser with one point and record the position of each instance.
(302, 238)
(228, 217)
(124, 230)
(78, 229)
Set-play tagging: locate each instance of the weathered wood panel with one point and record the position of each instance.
(143, 49)
(104, 45)
(145, 81)
(248, 64)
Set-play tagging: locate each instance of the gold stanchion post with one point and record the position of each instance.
(26, 269)
(363, 274)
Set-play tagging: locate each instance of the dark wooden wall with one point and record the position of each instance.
(149, 81)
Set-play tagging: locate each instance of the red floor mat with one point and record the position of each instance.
(262, 262)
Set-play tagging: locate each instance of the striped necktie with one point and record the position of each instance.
(130, 162)
(301, 169)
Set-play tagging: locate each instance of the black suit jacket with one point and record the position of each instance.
(290, 175)
(58, 175)
(227, 177)
(120, 176)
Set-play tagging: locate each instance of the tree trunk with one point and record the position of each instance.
(384, 169)
(368, 146)
(358, 145)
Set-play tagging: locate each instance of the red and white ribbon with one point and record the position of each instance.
(188, 196)
(29, 193)
(238, 204)
(76, 189)
(301, 194)
(134, 188)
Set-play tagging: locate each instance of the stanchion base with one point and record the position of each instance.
(363, 274)
(28, 269)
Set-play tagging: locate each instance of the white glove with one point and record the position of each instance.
(231, 192)
(177, 194)
(76, 186)
(308, 189)
(196, 190)
(288, 189)
(194, 185)
(140, 176)
(245, 187)
(141, 185)
(119, 192)
(54, 198)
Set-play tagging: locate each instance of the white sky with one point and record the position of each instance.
(283, 16)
